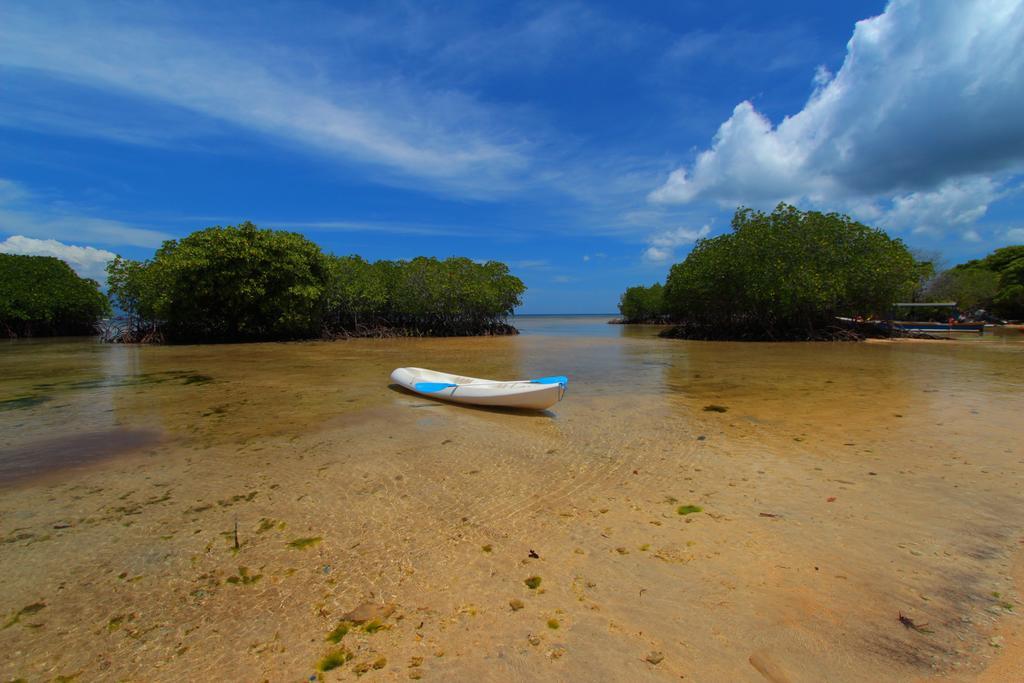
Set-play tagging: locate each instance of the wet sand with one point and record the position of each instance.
(843, 486)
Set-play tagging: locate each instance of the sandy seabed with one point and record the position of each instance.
(627, 534)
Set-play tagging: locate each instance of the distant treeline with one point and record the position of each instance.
(643, 304)
(42, 296)
(242, 283)
(994, 283)
(789, 274)
(781, 275)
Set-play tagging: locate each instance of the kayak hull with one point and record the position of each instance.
(523, 394)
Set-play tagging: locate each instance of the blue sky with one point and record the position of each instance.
(587, 145)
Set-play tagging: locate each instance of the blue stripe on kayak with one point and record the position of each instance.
(555, 379)
(431, 387)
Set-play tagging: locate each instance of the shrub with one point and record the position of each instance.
(42, 295)
(1001, 272)
(243, 284)
(427, 296)
(643, 304)
(235, 283)
(787, 275)
(970, 288)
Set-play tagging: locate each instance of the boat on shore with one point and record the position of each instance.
(528, 394)
(917, 326)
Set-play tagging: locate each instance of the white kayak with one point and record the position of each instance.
(532, 394)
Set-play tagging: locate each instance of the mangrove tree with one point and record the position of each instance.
(42, 295)
(995, 282)
(242, 283)
(643, 304)
(787, 275)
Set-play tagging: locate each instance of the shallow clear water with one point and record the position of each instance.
(842, 484)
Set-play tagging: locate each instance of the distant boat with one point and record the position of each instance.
(531, 394)
(913, 326)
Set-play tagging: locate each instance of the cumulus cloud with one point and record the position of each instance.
(927, 101)
(657, 254)
(1015, 235)
(954, 203)
(86, 261)
(662, 245)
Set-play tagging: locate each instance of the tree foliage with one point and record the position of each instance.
(234, 283)
(787, 275)
(42, 295)
(995, 282)
(643, 304)
(424, 296)
(969, 288)
(242, 283)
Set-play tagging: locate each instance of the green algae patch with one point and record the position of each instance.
(244, 578)
(373, 626)
(266, 524)
(714, 408)
(339, 632)
(198, 379)
(332, 660)
(115, 623)
(303, 543)
(26, 611)
(487, 548)
(553, 624)
(533, 582)
(246, 497)
(689, 509)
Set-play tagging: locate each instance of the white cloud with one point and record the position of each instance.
(86, 261)
(658, 254)
(678, 236)
(927, 101)
(955, 203)
(822, 76)
(439, 136)
(663, 244)
(22, 213)
(1015, 235)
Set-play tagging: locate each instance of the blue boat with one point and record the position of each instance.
(913, 326)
